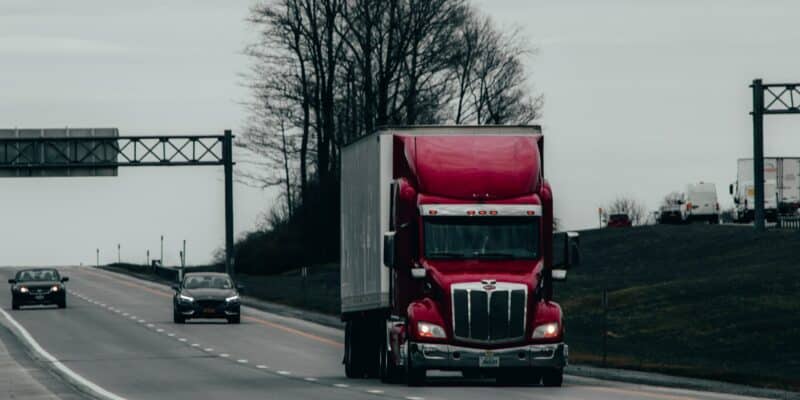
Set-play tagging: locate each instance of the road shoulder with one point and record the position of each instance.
(23, 376)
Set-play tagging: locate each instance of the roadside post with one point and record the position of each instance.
(303, 276)
(604, 304)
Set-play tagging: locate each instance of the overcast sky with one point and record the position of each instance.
(641, 97)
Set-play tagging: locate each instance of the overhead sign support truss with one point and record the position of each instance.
(25, 153)
(773, 98)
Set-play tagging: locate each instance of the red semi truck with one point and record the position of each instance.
(448, 255)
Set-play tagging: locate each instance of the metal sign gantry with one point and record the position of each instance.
(773, 98)
(99, 152)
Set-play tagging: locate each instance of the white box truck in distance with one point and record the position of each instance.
(781, 188)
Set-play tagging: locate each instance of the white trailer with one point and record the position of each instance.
(366, 178)
(781, 188)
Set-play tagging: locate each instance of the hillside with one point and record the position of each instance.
(700, 300)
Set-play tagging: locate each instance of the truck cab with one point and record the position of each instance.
(460, 219)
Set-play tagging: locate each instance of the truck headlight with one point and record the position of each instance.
(185, 298)
(427, 329)
(546, 331)
(55, 288)
(23, 290)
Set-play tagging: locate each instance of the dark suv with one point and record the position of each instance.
(206, 295)
(38, 286)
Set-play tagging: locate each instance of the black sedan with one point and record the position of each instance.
(206, 295)
(38, 287)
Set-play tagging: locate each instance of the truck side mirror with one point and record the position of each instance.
(388, 250)
(65, 279)
(176, 287)
(12, 281)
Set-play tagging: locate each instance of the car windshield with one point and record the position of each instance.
(207, 282)
(619, 217)
(43, 275)
(479, 238)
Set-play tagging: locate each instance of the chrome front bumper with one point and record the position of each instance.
(447, 357)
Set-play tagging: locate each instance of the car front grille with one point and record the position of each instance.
(39, 290)
(209, 304)
(488, 312)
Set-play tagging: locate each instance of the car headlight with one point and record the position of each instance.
(55, 288)
(23, 290)
(232, 298)
(546, 331)
(183, 297)
(427, 329)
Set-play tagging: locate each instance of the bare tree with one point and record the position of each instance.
(634, 209)
(326, 72)
(672, 198)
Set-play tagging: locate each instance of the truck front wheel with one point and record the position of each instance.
(553, 377)
(414, 376)
(389, 372)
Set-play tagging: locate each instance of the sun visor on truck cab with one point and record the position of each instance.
(474, 166)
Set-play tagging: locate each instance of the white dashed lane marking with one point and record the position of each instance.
(224, 355)
(341, 385)
(242, 361)
(261, 366)
(284, 372)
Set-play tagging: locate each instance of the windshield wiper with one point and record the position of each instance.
(493, 255)
(444, 254)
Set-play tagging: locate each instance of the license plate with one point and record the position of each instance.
(208, 310)
(488, 360)
(39, 297)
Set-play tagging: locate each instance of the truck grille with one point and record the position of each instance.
(493, 315)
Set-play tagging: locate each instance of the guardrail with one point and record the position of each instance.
(789, 223)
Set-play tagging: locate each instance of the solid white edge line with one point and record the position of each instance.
(80, 380)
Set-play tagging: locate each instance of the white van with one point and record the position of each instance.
(701, 202)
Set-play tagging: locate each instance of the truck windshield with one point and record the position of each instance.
(479, 238)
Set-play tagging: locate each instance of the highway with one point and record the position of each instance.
(117, 333)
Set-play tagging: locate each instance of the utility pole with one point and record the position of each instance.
(97, 264)
(227, 156)
(758, 153)
(148, 258)
(119, 253)
(162, 251)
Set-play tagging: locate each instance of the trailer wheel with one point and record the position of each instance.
(353, 364)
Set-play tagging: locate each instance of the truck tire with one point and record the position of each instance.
(62, 303)
(553, 377)
(234, 320)
(520, 376)
(14, 304)
(414, 376)
(353, 361)
(389, 372)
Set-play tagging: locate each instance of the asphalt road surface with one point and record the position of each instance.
(117, 333)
